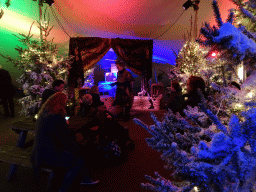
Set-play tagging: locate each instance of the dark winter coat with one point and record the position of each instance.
(46, 94)
(96, 102)
(6, 87)
(124, 92)
(175, 102)
(193, 99)
(52, 141)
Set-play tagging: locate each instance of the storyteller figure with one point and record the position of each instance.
(124, 92)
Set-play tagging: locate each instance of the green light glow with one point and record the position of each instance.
(18, 23)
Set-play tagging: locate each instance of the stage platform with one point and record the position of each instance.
(140, 102)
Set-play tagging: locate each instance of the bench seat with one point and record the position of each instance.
(16, 155)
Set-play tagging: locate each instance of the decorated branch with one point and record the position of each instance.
(246, 17)
(228, 39)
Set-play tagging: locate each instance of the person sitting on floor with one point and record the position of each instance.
(193, 98)
(101, 125)
(175, 99)
(55, 144)
(97, 115)
(94, 92)
(86, 109)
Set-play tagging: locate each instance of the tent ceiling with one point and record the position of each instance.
(143, 19)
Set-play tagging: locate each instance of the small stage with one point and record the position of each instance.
(140, 102)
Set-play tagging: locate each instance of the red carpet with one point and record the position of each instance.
(143, 160)
(127, 177)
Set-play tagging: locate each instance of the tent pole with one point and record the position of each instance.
(195, 24)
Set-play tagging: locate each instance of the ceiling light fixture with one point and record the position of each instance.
(190, 3)
(49, 2)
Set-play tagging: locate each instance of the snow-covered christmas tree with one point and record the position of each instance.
(236, 46)
(245, 16)
(199, 149)
(40, 63)
(233, 43)
(226, 162)
(194, 59)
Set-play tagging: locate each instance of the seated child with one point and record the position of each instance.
(94, 92)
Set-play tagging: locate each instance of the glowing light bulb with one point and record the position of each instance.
(250, 95)
(214, 54)
(196, 189)
(240, 72)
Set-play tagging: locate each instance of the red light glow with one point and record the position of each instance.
(214, 54)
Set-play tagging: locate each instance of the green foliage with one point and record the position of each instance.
(245, 14)
(40, 64)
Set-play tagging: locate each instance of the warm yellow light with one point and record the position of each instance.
(250, 95)
(196, 189)
(240, 72)
(238, 106)
(18, 23)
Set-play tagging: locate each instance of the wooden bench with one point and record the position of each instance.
(16, 155)
(19, 156)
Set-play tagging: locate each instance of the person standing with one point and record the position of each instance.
(6, 92)
(57, 86)
(124, 93)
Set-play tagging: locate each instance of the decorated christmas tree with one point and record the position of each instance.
(231, 42)
(191, 59)
(40, 63)
(211, 157)
(245, 20)
(245, 16)
(194, 59)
